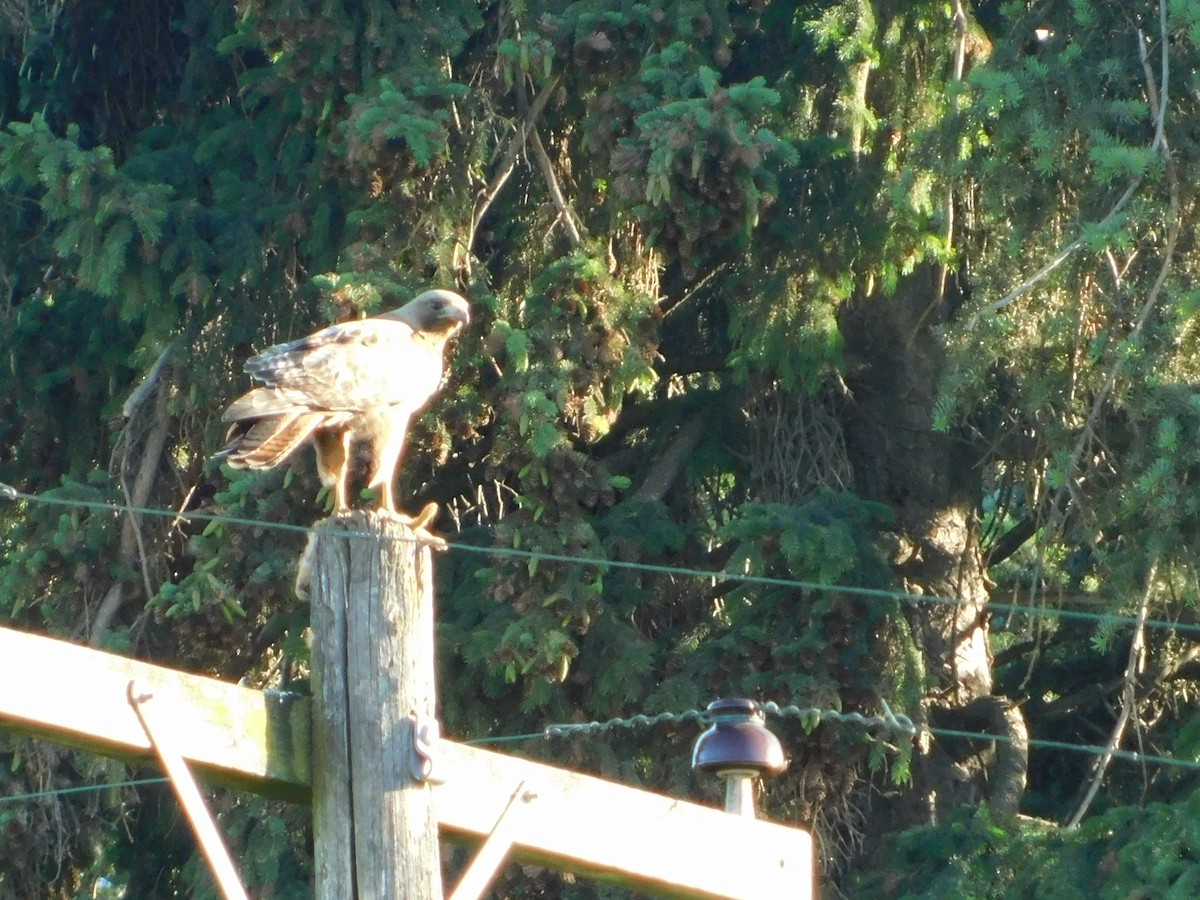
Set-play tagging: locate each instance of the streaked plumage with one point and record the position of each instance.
(354, 382)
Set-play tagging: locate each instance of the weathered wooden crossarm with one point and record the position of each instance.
(260, 742)
(78, 697)
(612, 832)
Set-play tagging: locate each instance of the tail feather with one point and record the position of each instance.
(269, 441)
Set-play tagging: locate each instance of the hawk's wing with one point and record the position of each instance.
(344, 369)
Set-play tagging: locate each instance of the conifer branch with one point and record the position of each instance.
(1159, 144)
(1158, 99)
(961, 27)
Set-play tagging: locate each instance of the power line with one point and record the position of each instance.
(57, 792)
(8, 492)
(900, 723)
(889, 721)
(11, 493)
(1091, 749)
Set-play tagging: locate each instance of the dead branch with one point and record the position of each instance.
(132, 550)
(1129, 700)
(560, 201)
(669, 464)
(516, 141)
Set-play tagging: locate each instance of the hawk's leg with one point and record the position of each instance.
(387, 502)
(388, 447)
(333, 463)
(339, 494)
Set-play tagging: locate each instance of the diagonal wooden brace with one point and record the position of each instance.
(490, 856)
(190, 798)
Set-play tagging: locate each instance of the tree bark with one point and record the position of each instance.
(373, 672)
(932, 481)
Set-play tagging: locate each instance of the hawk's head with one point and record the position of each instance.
(436, 312)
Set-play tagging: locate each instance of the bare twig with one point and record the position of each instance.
(1054, 263)
(1133, 668)
(516, 141)
(668, 305)
(560, 201)
(547, 167)
(1158, 144)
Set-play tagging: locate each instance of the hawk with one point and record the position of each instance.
(357, 382)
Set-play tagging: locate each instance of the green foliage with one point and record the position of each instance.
(822, 643)
(1150, 852)
(44, 548)
(415, 119)
(699, 164)
(793, 334)
(826, 541)
(267, 839)
(94, 210)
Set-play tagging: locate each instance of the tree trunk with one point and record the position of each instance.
(932, 482)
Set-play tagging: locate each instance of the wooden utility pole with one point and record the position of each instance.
(375, 831)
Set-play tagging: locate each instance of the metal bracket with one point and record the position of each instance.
(426, 733)
(212, 844)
